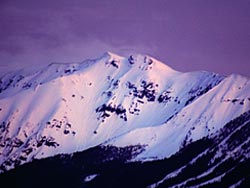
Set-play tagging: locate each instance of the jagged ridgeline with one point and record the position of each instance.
(124, 122)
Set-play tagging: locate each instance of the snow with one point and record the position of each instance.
(90, 177)
(201, 118)
(60, 102)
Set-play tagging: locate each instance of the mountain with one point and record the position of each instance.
(124, 122)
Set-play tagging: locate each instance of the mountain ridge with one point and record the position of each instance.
(115, 101)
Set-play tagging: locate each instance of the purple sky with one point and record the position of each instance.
(191, 35)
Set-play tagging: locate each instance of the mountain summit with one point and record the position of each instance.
(133, 102)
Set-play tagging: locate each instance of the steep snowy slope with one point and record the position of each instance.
(113, 101)
(220, 160)
(203, 117)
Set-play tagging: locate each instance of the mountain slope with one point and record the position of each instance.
(203, 117)
(113, 101)
(221, 160)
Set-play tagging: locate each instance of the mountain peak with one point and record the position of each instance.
(74, 106)
(142, 61)
(110, 55)
(134, 107)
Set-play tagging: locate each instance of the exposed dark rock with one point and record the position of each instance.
(114, 64)
(66, 131)
(106, 110)
(131, 60)
(27, 85)
(11, 82)
(165, 97)
(146, 89)
(70, 70)
(148, 60)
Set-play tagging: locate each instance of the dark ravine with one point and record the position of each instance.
(225, 156)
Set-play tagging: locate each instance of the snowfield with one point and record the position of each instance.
(113, 101)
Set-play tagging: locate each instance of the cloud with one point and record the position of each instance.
(35, 36)
(36, 55)
(188, 36)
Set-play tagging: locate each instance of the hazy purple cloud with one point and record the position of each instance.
(187, 35)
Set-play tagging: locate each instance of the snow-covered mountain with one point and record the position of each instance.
(116, 102)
